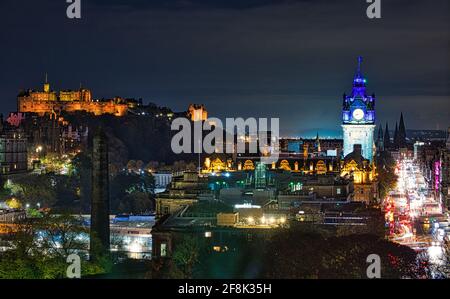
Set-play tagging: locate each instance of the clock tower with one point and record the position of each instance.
(358, 117)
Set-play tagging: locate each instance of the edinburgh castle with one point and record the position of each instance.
(49, 101)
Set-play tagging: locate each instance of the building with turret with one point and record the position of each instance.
(358, 117)
(49, 101)
(197, 112)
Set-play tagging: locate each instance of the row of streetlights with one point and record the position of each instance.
(264, 220)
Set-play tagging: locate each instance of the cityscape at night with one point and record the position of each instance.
(210, 140)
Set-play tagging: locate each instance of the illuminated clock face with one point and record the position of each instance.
(358, 114)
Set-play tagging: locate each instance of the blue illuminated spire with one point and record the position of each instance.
(359, 81)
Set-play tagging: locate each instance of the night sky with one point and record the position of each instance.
(291, 59)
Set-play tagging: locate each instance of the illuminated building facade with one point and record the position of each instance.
(13, 149)
(294, 163)
(197, 112)
(444, 175)
(427, 155)
(218, 163)
(52, 134)
(72, 138)
(49, 101)
(260, 176)
(13, 153)
(356, 166)
(358, 116)
(162, 180)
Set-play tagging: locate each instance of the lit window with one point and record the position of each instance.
(208, 234)
(163, 249)
(338, 191)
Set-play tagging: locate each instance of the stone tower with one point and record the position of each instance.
(100, 193)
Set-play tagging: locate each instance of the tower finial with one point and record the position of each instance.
(359, 81)
(360, 59)
(46, 85)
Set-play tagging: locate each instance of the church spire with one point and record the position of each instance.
(380, 132)
(380, 141)
(401, 132)
(387, 137)
(396, 135)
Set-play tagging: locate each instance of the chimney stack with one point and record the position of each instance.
(99, 234)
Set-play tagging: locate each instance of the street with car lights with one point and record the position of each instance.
(415, 215)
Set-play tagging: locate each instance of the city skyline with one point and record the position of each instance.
(166, 55)
(238, 140)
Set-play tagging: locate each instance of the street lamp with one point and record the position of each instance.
(27, 206)
(38, 205)
(39, 151)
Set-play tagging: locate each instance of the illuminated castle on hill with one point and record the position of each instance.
(48, 101)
